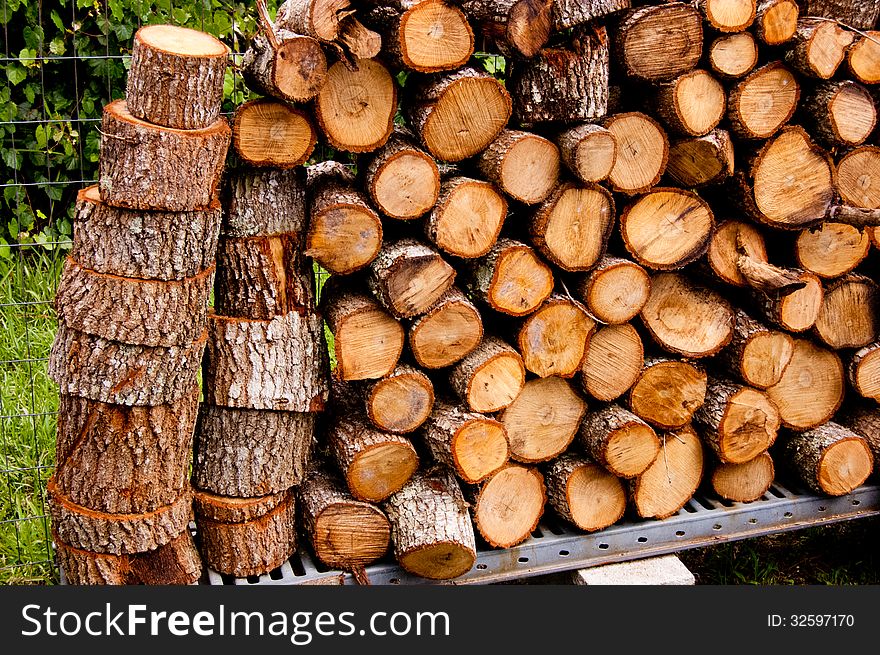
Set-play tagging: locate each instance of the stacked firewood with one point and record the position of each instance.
(132, 307)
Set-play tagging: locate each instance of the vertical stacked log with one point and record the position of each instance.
(133, 315)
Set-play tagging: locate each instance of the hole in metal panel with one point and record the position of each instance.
(296, 564)
(394, 581)
(642, 539)
(776, 491)
(523, 560)
(253, 579)
(856, 502)
(753, 521)
(537, 534)
(717, 526)
(227, 579)
(320, 567)
(482, 567)
(679, 533)
(555, 528)
(603, 546)
(788, 515)
(725, 502)
(564, 553)
(822, 508)
(687, 508)
(276, 574)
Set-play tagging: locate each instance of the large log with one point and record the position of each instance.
(448, 331)
(516, 27)
(863, 58)
(657, 43)
(830, 459)
(542, 420)
(776, 21)
(764, 101)
(467, 218)
(619, 440)
(490, 377)
(553, 339)
(248, 452)
(612, 362)
(756, 354)
(796, 311)
(850, 313)
(401, 179)
(691, 104)
(401, 401)
(743, 483)
(176, 76)
(668, 392)
(140, 244)
(701, 161)
(268, 132)
(673, 478)
(864, 420)
(615, 291)
(511, 278)
(431, 527)
(642, 152)
(831, 250)
(840, 113)
(863, 371)
(407, 277)
(857, 177)
(589, 151)
(508, 505)
(818, 47)
(144, 166)
(279, 364)
(584, 493)
(265, 202)
(523, 165)
(733, 55)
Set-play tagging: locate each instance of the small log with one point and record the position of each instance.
(123, 460)
(863, 371)
(756, 354)
(175, 563)
(525, 166)
(122, 374)
(375, 464)
(508, 506)
(776, 21)
(728, 15)
(355, 108)
(467, 218)
(860, 14)
(811, 388)
(642, 152)
(139, 244)
(176, 77)
(431, 527)
(668, 392)
(830, 459)
(831, 250)
(401, 179)
(864, 420)
(666, 486)
(345, 533)
(144, 166)
(572, 227)
(589, 151)
(840, 114)
(367, 341)
(407, 277)
(401, 401)
(571, 13)
(746, 482)
(732, 241)
(818, 47)
(863, 58)
(246, 536)
(490, 377)
(733, 55)
(284, 65)
(117, 534)
(248, 452)
(356, 41)
(516, 27)
(267, 132)
(692, 104)
(566, 83)
(279, 364)
(457, 115)
(474, 445)
(448, 331)
(850, 313)
(615, 291)
(262, 202)
(738, 423)
(658, 43)
(701, 161)
(511, 278)
(542, 420)
(553, 339)
(797, 311)
(320, 19)
(857, 177)
(619, 440)
(764, 101)
(344, 233)
(584, 493)
(612, 362)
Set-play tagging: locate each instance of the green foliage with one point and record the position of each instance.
(58, 98)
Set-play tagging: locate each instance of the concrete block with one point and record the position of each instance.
(663, 570)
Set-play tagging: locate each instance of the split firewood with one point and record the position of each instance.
(612, 362)
(242, 537)
(589, 151)
(731, 242)
(840, 114)
(176, 77)
(268, 132)
(737, 422)
(431, 528)
(345, 232)
(320, 19)
(776, 21)
(584, 493)
(515, 27)
(796, 311)
(733, 55)
(864, 420)
(525, 166)
(122, 374)
(124, 460)
(345, 533)
(863, 58)
(448, 331)
(857, 177)
(619, 440)
(860, 14)
(248, 452)
(764, 101)
(542, 420)
(728, 15)
(667, 228)
(145, 166)
(265, 202)
(746, 482)
(565, 83)
(571, 228)
(864, 371)
(658, 43)
(818, 47)
(756, 354)
(831, 250)
(642, 152)
(769, 279)
(401, 179)
(850, 312)
(671, 481)
(668, 392)
(151, 245)
(401, 401)
(691, 104)
(615, 291)
(811, 388)
(474, 445)
(457, 115)
(508, 505)
(367, 341)
(467, 218)
(701, 161)
(407, 277)
(490, 377)
(553, 339)
(511, 278)
(375, 463)
(830, 459)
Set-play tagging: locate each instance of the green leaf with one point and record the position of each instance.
(5, 250)
(56, 46)
(116, 9)
(40, 135)
(30, 92)
(12, 159)
(15, 74)
(57, 20)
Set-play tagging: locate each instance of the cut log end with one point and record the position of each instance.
(435, 36)
(497, 383)
(380, 470)
(335, 526)
(749, 422)
(857, 177)
(439, 561)
(594, 497)
(509, 506)
(401, 402)
(776, 22)
(660, 43)
(863, 58)
(832, 250)
(407, 185)
(848, 317)
(530, 169)
(763, 102)
(448, 332)
(521, 282)
(667, 393)
(479, 448)
(642, 152)
(698, 162)
(408, 277)
(612, 362)
(692, 104)
(271, 133)
(733, 55)
(864, 371)
(552, 341)
(845, 466)
(730, 15)
(811, 389)
(765, 358)
(673, 478)
(616, 291)
(467, 219)
(746, 482)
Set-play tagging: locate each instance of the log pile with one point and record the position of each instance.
(643, 263)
